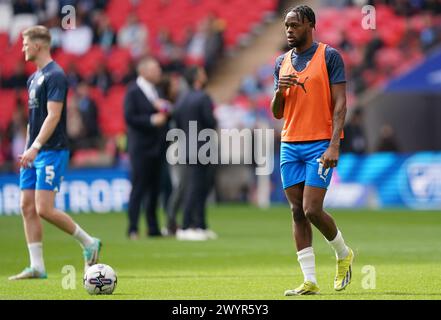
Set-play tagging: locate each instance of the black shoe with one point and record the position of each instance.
(154, 234)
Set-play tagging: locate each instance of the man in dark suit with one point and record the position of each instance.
(195, 106)
(146, 124)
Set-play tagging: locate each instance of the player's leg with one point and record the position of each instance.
(179, 180)
(316, 184)
(313, 198)
(302, 234)
(153, 169)
(137, 194)
(313, 207)
(34, 235)
(293, 176)
(32, 226)
(31, 221)
(44, 202)
(192, 203)
(50, 167)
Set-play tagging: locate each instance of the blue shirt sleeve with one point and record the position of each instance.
(335, 66)
(278, 64)
(56, 87)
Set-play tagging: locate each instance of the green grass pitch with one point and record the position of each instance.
(254, 258)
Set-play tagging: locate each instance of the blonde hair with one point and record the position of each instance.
(38, 33)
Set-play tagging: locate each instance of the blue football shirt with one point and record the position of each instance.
(47, 84)
(334, 63)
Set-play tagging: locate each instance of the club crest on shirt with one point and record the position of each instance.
(40, 80)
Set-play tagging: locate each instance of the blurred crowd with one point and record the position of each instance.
(371, 58)
(73, 49)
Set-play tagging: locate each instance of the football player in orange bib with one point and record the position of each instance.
(310, 95)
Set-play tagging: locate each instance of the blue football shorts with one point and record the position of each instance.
(46, 172)
(299, 162)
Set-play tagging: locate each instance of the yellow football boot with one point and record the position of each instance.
(344, 272)
(306, 288)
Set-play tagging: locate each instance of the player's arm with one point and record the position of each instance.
(338, 96)
(54, 109)
(278, 101)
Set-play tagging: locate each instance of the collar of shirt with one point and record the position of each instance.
(148, 89)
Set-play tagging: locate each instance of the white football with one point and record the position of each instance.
(100, 279)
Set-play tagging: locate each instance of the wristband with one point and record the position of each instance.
(36, 145)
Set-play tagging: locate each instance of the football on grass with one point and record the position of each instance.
(100, 279)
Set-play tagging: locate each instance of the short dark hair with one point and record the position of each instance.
(303, 11)
(190, 74)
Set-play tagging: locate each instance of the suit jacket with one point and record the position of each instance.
(143, 137)
(195, 105)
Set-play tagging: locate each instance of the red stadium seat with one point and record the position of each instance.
(111, 114)
(7, 107)
(4, 41)
(118, 61)
(88, 63)
(387, 58)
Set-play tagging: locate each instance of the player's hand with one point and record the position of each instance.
(162, 105)
(158, 119)
(28, 157)
(287, 81)
(329, 159)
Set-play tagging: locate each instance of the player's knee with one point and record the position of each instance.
(43, 210)
(297, 213)
(27, 209)
(312, 213)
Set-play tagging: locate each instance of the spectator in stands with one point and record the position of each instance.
(176, 63)
(146, 125)
(131, 73)
(215, 43)
(75, 126)
(89, 112)
(371, 49)
(355, 139)
(17, 131)
(53, 24)
(79, 40)
(134, 35)
(102, 78)
(428, 36)
(73, 76)
(83, 128)
(165, 45)
(196, 49)
(5, 153)
(195, 105)
(387, 141)
(104, 35)
(45, 9)
(22, 6)
(206, 45)
(18, 79)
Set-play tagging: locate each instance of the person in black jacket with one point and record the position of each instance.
(146, 120)
(196, 105)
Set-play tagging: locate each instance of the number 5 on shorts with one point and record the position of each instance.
(50, 174)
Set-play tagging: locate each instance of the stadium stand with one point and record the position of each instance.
(220, 25)
(371, 57)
